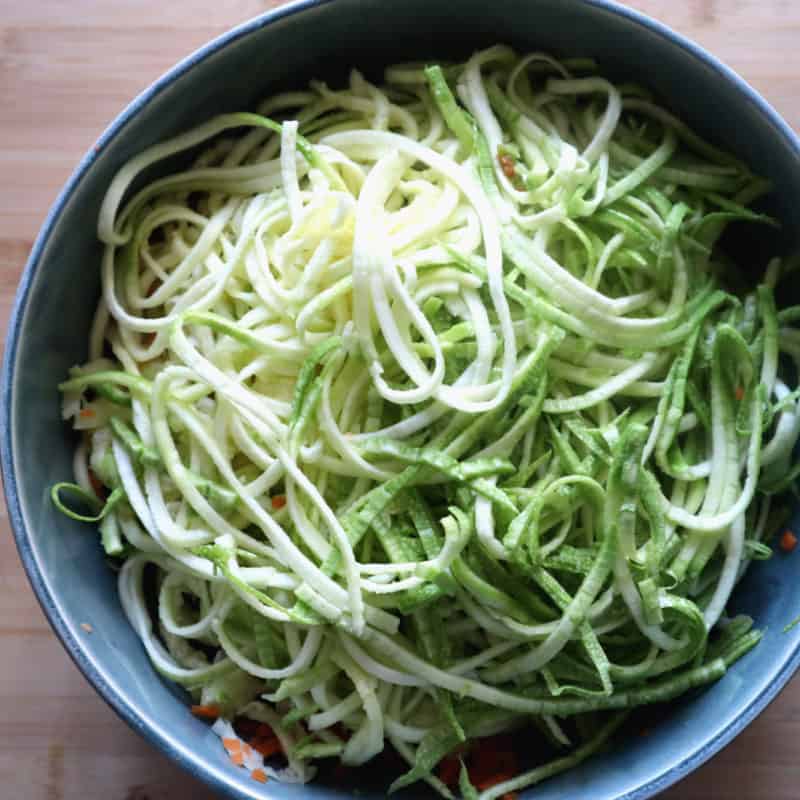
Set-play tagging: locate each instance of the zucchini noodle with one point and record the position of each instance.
(422, 412)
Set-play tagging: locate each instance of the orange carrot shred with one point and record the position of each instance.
(237, 758)
(739, 392)
(507, 165)
(232, 745)
(278, 501)
(788, 541)
(259, 775)
(207, 712)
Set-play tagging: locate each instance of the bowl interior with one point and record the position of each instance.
(60, 289)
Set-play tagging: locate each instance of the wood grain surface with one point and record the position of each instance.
(66, 69)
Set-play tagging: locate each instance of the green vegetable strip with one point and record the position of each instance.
(429, 413)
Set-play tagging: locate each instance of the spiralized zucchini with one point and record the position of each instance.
(424, 410)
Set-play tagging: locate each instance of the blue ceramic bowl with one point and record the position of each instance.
(59, 288)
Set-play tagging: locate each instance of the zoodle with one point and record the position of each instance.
(426, 412)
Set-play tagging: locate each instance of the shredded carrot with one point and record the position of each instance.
(788, 541)
(267, 747)
(739, 392)
(207, 712)
(232, 745)
(247, 751)
(237, 758)
(278, 501)
(259, 775)
(86, 413)
(507, 165)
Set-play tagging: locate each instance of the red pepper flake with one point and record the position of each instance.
(278, 501)
(507, 165)
(739, 393)
(788, 541)
(86, 413)
(259, 775)
(206, 712)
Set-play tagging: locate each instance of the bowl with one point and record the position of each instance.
(59, 287)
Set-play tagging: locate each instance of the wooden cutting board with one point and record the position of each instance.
(67, 67)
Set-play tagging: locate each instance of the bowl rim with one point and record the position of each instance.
(209, 773)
